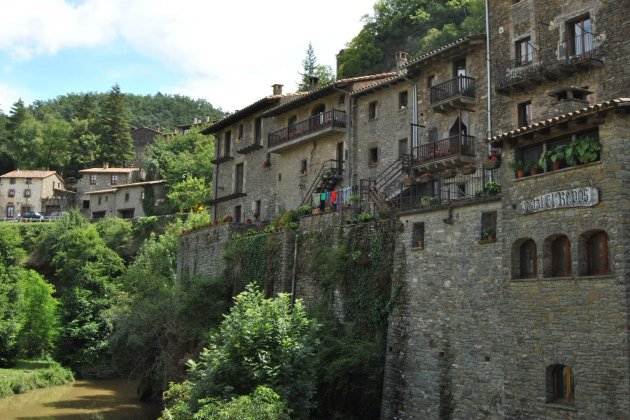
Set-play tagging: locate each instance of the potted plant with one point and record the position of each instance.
(426, 201)
(493, 160)
(534, 168)
(519, 168)
(570, 153)
(407, 180)
(489, 235)
(492, 188)
(587, 149)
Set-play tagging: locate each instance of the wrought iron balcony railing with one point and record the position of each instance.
(326, 120)
(454, 88)
(454, 146)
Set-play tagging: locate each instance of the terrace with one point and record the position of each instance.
(450, 152)
(457, 93)
(310, 129)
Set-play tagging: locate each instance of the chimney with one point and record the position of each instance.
(313, 82)
(106, 165)
(277, 89)
(402, 59)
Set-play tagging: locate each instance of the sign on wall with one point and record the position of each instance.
(576, 197)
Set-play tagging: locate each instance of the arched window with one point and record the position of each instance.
(528, 267)
(594, 253)
(560, 384)
(560, 257)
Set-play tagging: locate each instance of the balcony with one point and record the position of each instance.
(309, 129)
(450, 152)
(457, 93)
(580, 52)
(249, 148)
(520, 76)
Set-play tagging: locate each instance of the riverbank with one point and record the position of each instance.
(103, 399)
(32, 374)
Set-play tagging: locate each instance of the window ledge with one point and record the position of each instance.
(566, 278)
(417, 248)
(559, 171)
(560, 406)
(487, 241)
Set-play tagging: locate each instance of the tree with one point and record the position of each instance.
(311, 68)
(116, 142)
(190, 194)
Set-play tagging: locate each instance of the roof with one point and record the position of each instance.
(326, 90)
(28, 174)
(259, 105)
(444, 48)
(379, 84)
(108, 170)
(123, 186)
(549, 122)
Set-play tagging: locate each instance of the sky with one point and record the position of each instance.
(228, 52)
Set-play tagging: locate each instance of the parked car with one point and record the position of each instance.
(32, 215)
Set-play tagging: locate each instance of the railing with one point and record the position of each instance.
(331, 167)
(442, 191)
(458, 145)
(579, 48)
(518, 71)
(329, 119)
(459, 86)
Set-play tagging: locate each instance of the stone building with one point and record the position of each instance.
(93, 179)
(23, 191)
(127, 201)
(142, 137)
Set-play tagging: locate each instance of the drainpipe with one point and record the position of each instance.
(488, 75)
(294, 268)
(414, 115)
(216, 182)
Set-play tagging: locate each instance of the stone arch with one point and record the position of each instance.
(593, 253)
(557, 256)
(560, 384)
(524, 259)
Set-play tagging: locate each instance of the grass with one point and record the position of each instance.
(32, 374)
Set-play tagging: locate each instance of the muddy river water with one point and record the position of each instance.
(90, 400)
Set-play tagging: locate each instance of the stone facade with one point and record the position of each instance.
(126, 201)
(142, 137)
(95, 179)
(33, 191)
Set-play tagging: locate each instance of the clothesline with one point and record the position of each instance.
(333, 198)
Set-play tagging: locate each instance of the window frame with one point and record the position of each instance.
(373, 111)
(27, 193)
(418, 235)
(524, 113)
(403, 100)
(113, 180)
(524, 58)
(373, 156)
(92, 179)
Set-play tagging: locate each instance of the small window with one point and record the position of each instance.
(557, 256)
(372, 110)
(240, 132)
(489, 226)
(417, 236)
(528, 267)
(114, 180)
(279, 177)
(303, 166)
(29, 181)
(86, 204)
(342, 100)
(594, 254)
(560, 384)
(524, 51)
(373, 155)
(126, 197)
(237, 214)
(106, 198)
(403, 147)
(11, 193)
(10, 211)
(227, 144)
(524, 110)
(100, 200)
(12, 181)
(430, 81)
(27, 193)
(258, 130)
(239, 173)
(403, 99)
(92, 179)
(292, 120)
(257, 207)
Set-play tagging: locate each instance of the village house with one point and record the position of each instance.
(142, 138)
(94, 179)
(127, 201)
(27, 191)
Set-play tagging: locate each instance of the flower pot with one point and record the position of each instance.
(534, 171)
(556, 165)
(520, 173)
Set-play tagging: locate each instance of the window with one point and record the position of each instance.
(126, 197)
(560, 384)
(106, 198)
(373, 156)
(292, 120)
(403, 99)
(342, 100)
(237, 214)
(114, 180)
(580, 36)
(100, 200)
(524, 110)
(238, 178)
(527, 265)
(240, 132)
(303, 166)
(258, 130)
(557, 256)
(530, 156)
(11, 193)
(403, 147)
(489, 226)
(86, 204)
(459, 68)
(524, 51)
(27, 193)
(29, 181)
(417, 236)
(430, 81)
(594, 253)
(372, 110)
(10, 211)
(257, 207)
(142, 195)
(279, 177)
(12, 181)
(227, 143)
(92, 179)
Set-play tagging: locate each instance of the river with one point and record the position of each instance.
(89, 400)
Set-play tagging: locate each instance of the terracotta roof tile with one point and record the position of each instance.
(28, 174)
(108, 170)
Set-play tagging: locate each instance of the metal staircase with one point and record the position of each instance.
(327, 178)
(379, 193)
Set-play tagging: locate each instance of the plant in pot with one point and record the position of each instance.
(228, 219)
(489, 235)
(304, 210)
(570, 154)
(534, 168)
(493, 161)
(587, 149)
(266, 163)
(519, 168)
(426, 201)
(555, 156)
(492, 188)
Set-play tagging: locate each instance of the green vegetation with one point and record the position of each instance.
(310, 68)
(412, 25)
(28, 375)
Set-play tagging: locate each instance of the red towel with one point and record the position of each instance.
(333, 197)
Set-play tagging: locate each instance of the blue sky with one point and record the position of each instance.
(227, 52)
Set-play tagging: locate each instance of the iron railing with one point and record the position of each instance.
(456, 87)
(329, 169)
(578, 48)
(458, 145)
(330, 119)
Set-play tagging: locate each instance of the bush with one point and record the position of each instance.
(27, 376)
(262, 404)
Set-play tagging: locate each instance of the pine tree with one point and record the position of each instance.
(311, 68)
(116, 142)
(16, 115)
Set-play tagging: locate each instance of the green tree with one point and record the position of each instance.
(116, 143)
(311, 68)
(189, 194)
(10, 322)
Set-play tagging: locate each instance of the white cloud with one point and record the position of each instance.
(229, 52)
(9, 95)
